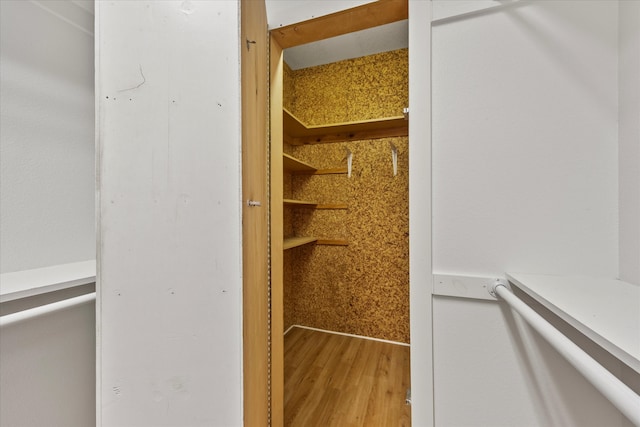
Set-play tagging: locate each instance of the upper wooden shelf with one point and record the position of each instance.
(291, 164)
(298, 133)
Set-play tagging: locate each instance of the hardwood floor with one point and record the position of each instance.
(335, 380)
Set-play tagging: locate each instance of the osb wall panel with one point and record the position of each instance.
(356, 89)
(288, 90)
(362, 288)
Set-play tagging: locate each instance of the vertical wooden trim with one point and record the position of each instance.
(253, 45)
(277, 233)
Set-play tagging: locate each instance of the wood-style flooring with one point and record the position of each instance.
(336, 380)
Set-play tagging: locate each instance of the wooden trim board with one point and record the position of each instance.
(254, 219)
(346, 21)
(276, 72)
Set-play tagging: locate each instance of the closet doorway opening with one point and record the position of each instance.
(339, 219)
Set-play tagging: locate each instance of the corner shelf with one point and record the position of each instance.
(293, 242)
(291, 164)
(298, 133)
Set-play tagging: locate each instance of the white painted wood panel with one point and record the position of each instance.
(169, 262)
(629, 150)
(524, 179)
(525, 141)
(420, 268)
(491, 369)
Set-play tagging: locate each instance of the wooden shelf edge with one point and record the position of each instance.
(332, 206)
(293, 242)
(332, 242)
(301, 203)
(332, 171)
(290, 163)
(298, 133)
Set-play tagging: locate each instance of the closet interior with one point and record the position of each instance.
(339, 199)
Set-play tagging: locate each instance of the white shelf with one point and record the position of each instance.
(605, 310)
(22, 284)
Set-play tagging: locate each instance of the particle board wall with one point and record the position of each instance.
(288, 90)
(363, 88)
(362, 288)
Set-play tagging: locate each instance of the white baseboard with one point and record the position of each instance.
(346, 335)
(289, 329)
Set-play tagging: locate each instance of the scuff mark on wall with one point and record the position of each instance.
(187, 7)
(144, 80)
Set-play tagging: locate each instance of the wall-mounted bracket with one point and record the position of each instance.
(394, 158)
(496, 283)
(467, 286)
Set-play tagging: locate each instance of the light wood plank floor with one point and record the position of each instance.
(335, 380)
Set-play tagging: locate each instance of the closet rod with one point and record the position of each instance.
(618, 393)
(31, 313)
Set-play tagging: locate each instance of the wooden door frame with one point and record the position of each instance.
(255, 244)
(343, 22)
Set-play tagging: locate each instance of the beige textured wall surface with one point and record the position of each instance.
(364, 88)
(362, 288)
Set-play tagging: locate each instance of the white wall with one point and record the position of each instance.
(46, 135)
(525, 152)
(47, 364)
(47, 368)
(169, 257)
(629, 154)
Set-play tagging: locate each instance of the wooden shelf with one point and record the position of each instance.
(332, 242)
(291, 164)
(605, 310)
(298, 133)
(301, 203)
(292, 242)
